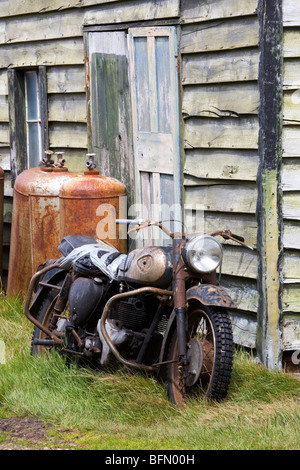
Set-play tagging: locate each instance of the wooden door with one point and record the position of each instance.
(110, 106)
(153, 63)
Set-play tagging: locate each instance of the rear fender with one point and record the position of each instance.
(210, 295)
(52, 277)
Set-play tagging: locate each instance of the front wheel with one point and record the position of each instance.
(210, 355)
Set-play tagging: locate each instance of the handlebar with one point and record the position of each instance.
(232, 235)
(130, 221)
(143, 224)
(226, 234)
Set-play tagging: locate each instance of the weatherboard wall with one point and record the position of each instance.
(290, 173)
(220, 102)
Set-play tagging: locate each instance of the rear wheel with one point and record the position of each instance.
(44, 315)
(210, 355)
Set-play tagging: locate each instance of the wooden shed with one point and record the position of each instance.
(192, 104)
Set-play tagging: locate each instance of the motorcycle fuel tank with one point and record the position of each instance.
(150, 266)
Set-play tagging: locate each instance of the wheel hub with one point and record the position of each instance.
(195, 358)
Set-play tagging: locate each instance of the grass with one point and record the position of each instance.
(131, 411)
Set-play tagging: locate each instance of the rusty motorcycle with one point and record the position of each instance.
(158, 309)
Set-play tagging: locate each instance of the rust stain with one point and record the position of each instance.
(1, 216)
(81, 201)
(87, 72)
(35, 232)
(211, 295)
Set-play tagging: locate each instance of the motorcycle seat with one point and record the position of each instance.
(92, 258)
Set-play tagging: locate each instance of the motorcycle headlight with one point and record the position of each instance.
(203, 254)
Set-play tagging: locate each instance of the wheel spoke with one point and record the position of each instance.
(209, 327)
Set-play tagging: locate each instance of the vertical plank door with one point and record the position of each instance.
(110, 106)
(153, 63)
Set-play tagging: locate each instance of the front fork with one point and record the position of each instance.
(179, 295)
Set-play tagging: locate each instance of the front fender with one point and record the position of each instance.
(208, 294)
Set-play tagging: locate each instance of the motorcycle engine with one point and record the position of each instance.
(127, 325)
(131, 314)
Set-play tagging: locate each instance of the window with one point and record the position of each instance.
(28, 118)
(33, 119)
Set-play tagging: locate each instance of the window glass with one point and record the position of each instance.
(33, 121)
(163, 83)
(33, 144)
(142, 84)
(31, 95)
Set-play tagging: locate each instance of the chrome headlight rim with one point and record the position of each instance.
(211, 250)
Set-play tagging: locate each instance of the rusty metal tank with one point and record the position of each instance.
(35, 230)
(1, 217)
(90, 205)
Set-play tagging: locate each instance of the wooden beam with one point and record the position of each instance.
(222, 164)
(23, 7)
(221, 133)
(69, 79)
(47, 53)
(291, 332)
(269, 209)
(67, 135)
(195, 11)
(291, 13)
(62, 106)
(238, 65)
(17, 134)
(220, 35)
(123, 12)
(239, 198)
(42, 87)
(221, 101)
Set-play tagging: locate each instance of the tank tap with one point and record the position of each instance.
(47, 161)
(91, 165)
(60, 161)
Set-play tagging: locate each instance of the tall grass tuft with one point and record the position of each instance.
(126, 410)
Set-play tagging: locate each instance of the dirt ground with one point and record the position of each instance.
(30, 434)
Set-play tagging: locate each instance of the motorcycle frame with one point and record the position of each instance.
(208, 294)
(33, 283)
(178, 293)
(179, 296)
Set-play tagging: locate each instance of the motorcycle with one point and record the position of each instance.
(156, 309)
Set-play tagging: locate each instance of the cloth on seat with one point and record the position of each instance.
(93, 259)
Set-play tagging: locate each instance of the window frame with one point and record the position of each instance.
(17, 116)
(32, 120)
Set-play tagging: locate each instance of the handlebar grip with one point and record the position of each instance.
(130, 221)
(237, 237)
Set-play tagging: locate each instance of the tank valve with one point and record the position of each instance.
(47, 161)
(60, 161)
(91, 165)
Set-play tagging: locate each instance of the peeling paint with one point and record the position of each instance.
(269, 208)
(272, 276)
